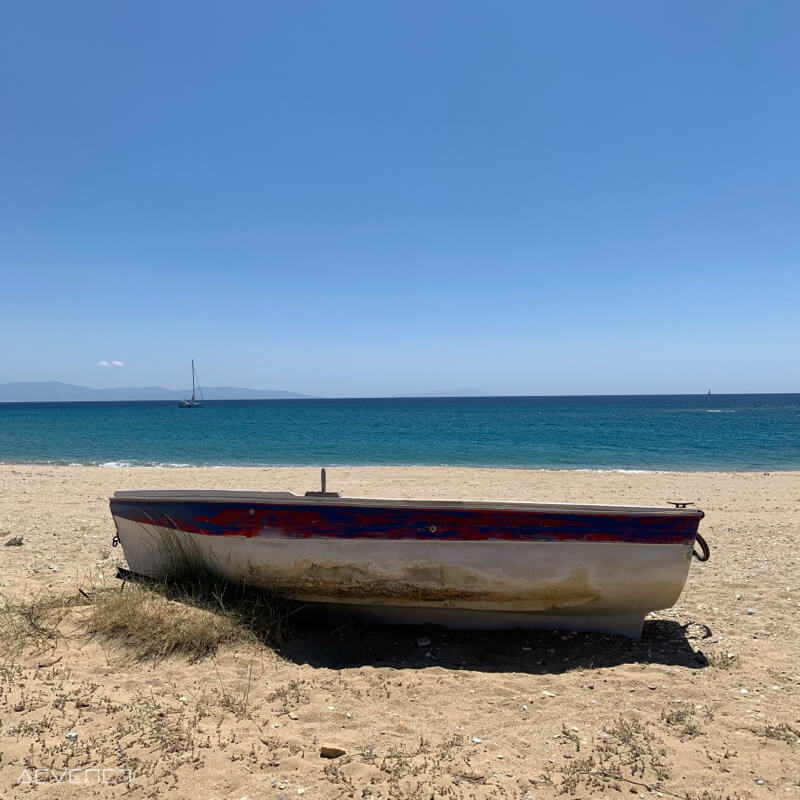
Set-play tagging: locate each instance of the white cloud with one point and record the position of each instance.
(117, 364)
(114, 363)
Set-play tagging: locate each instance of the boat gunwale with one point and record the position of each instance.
(289, 498)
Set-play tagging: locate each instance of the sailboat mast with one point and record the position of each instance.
(193, 381)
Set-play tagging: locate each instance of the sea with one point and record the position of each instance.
(637, 433)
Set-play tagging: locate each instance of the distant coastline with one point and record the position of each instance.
(56, 392)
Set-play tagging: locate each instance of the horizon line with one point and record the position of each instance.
(426, 396)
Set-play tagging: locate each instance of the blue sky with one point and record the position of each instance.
(361, 198)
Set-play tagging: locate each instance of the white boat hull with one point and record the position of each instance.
(574, 585)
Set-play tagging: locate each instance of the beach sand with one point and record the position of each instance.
(706, 705)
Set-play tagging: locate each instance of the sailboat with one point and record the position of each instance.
(193, 402)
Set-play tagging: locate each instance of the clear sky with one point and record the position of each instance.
(368, 198)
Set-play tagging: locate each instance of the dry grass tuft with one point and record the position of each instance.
(192, 611)
(153, 626)
(33, 623)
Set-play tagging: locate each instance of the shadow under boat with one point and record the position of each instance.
(324, 636)
(327, 638)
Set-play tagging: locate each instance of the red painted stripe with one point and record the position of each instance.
(428, 524)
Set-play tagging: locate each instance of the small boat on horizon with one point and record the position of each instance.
(467, 564)
(193, 402)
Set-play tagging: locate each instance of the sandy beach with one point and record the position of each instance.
(706, 705)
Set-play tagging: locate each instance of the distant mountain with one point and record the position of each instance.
(52, 391)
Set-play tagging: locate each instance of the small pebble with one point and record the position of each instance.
(331, 751)
(750, 612)
(423, 642)
(476, 740)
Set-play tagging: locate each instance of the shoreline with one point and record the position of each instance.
(333, 466)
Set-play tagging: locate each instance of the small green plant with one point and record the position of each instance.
(628, 752)
(782, 732)
(682, 718)
(724, 661)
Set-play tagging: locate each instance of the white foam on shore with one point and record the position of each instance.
(631, 471)
(166, 465)
(125, 464)
(115, 464)
(151, 465)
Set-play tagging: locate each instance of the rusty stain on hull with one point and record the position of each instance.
(421, 584)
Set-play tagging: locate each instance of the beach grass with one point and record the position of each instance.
(33, 623)
(192, 611)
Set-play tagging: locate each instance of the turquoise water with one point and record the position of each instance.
(698, 432)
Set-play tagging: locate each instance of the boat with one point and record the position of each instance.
(456, 563)
(193, 402)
